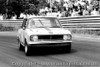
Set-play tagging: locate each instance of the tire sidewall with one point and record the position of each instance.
(27, 49)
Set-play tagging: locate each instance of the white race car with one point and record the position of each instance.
(43, 32)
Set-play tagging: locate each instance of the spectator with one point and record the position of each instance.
(85, 12)
(63, 12)
(74, 8)
(95, 12)
(90, 7)
(74, 13)
(66, 5)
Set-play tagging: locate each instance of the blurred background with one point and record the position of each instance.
(18, 9)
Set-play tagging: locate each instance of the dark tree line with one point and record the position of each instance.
(16, 7)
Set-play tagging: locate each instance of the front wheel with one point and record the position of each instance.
(27, 50)
(67, 49)
(21, 48)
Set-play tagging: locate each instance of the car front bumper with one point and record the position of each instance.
(50, 43)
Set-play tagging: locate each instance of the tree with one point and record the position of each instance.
(16, 7)
(38, 4)
(11, 7)
(2, 6)
(27, 6)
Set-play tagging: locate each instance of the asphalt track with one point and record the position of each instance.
(85, 53)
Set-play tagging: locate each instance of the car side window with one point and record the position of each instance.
(24, 23)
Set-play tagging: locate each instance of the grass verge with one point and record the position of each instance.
(4, 28)
(95, 32)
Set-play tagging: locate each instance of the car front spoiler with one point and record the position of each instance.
(49, 42)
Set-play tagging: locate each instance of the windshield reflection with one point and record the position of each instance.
(44, 22)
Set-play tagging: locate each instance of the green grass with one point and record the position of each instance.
(86, 31)
(3, 28)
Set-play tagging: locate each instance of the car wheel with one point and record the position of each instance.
(21, 48)
(27, 50)
(67, 49)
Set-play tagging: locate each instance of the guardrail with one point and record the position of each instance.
(11, 23)
(89, 22)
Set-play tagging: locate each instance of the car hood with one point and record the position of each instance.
(47, 31)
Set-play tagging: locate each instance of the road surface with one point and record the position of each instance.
(85, 53)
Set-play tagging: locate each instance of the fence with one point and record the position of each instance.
(11, 23)
(89, 22)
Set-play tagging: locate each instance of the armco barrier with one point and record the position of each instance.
(11, 23)
(88, 22)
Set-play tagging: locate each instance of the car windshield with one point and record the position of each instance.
(44, 22)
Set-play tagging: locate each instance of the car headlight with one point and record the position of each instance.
(67, 37)
(34, 38)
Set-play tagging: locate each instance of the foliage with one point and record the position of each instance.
(2, 6)
(35, 5)
(16, 7)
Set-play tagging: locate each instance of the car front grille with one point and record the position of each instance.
(50, 37)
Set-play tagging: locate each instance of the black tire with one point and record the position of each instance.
(67, 49)
(21, 48)
(27, 49)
